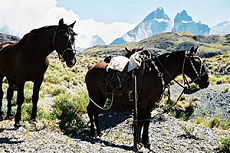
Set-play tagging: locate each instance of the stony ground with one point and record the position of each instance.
(167, 135)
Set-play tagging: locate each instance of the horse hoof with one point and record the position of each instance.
(92, 133)
(17, 125)
(9, 117)
(147, 145)
(33, 120)
(99, 134)
(2, 116)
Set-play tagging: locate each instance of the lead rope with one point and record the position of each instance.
(102, 108)
(135, 116)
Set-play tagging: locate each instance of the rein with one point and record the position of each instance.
(186, 82)
(102, 108)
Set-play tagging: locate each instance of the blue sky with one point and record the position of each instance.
(109, 19)
(210, 12)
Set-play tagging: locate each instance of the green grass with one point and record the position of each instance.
(215, 122)
(68, 109)
(225, 144)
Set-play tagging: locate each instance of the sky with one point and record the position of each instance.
(109, 19)
(210, 12)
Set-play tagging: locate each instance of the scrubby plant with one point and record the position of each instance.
(215, 122)
(68, 109)
(192, 88)
(225, 145)
(225, 125)
(58, 91)
(27, 110)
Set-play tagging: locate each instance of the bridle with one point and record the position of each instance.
(61, 56)
(185, 86)
(199, 73)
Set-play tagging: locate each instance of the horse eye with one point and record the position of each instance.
(64, 33)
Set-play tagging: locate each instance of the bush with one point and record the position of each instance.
(192, 88)
(225, 145)
(58, 91)
(67, 109)
(27, 110)
(215, 122)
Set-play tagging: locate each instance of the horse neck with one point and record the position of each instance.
(172, 67)
(40, 44)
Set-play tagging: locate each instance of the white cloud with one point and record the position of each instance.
(108, 32)
(21, 16)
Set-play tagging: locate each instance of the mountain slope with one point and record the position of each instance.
(221, 28)
(184, 23)
(156, 22)
(171, 42)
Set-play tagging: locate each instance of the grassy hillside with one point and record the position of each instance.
(171, 42)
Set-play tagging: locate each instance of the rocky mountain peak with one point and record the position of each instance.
(182, 16)
(157, 14)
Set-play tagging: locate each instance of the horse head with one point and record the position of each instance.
(131, 52)
(63, 42)
(195, 69)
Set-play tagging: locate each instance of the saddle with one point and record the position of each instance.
(119, 71)
(117, 76)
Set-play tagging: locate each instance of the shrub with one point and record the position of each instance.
(192, 88)
(58, 91)
(225, 145)
(67, 108)
(215, 122)
(27, 110)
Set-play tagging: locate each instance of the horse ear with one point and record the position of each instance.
(71, 25)
(191, 51)
(61, 22)
(127, 49)
(196, 50)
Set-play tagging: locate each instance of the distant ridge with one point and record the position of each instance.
(158, 22)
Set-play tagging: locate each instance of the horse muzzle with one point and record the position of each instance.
(203, 85)
(71, 63)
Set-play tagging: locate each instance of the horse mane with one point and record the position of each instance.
(36, 31)
(43, 29)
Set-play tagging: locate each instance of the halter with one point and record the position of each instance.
(65, 49)
(200, 74)
(186, 83)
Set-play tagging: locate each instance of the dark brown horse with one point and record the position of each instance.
(27, 60)
(10, 90)
(154, 74)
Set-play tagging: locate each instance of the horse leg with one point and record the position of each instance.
(1, 96)
(145, 134)
(10, 93)
(138, 124)
(91, 119)
(20, 100)
(35, 97)
(96, 118)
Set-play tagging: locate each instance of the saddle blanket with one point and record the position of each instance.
(135, 61)
(117, 63)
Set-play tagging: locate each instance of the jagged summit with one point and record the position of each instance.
(96, 40)
(154, 23)
(183, 16)
(157, 14)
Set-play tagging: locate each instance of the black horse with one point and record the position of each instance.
(153, 75)
(27, 61)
